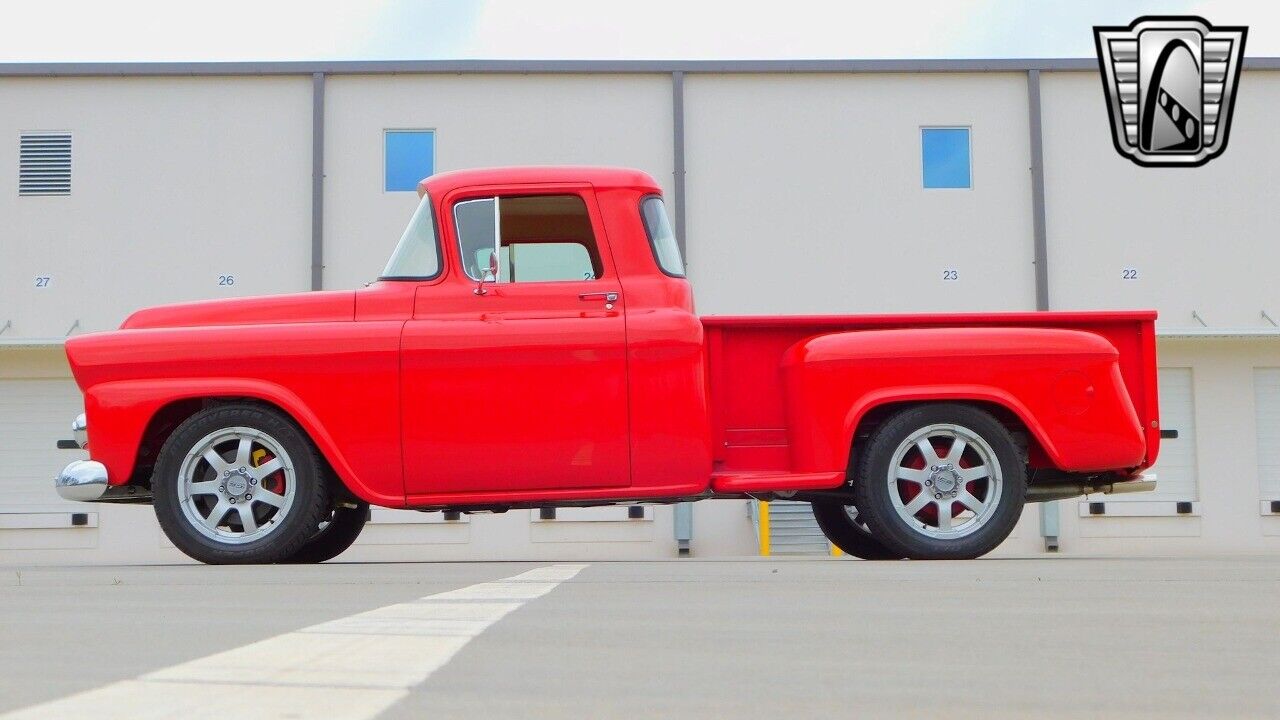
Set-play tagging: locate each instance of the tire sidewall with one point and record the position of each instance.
(873, 495)
(311, 497)
(844, 533)
(345, 526)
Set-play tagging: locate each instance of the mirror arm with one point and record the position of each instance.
(494, 258)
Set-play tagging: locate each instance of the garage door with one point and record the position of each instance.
(35, 414)
(1266, 400)
(1176, 467)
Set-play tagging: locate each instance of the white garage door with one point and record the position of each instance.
(1266, 398)
(34, 415)
(1176, 467)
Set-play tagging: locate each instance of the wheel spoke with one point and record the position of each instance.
(911, 475)
(215, 461)
(974, 473)
(944, 514)
(926, 449)
(968, 500)
(268, 497)
(957, 449)
(247, 521)
(215, 516)
(242, 452)
(917, 504)
(209, 487)
(262, 471)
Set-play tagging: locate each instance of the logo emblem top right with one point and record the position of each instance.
(1170, 84)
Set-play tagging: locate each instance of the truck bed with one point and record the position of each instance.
(747, 395)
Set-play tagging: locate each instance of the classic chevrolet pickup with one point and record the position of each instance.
(532, 342)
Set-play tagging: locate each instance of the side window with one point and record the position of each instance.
(477, 224)
(544, 238)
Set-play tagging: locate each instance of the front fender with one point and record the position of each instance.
(119, 412)
(1064, 385)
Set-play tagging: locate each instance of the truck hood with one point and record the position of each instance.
(331, 306)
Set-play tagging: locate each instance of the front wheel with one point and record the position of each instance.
(240, 484)
(941, 482)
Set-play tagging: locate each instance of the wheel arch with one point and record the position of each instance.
(874, 409)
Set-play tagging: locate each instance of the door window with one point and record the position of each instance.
(538, 238)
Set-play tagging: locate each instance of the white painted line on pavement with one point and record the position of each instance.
(347, 669)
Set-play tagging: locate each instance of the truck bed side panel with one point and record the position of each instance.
(748, 401)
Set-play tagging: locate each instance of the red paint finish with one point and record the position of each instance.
(813, 378)
(1064, 385)
(422, 393)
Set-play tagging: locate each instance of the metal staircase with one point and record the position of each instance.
(785, 527)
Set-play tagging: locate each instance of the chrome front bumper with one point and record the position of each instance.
(82, 480)
(80, 430)
(86, 480)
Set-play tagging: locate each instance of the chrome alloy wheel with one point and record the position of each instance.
(236, 485)
(852, 512)
(944, 481)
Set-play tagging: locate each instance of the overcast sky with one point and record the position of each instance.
(158, 30)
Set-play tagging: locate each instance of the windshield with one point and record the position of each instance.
(417, 255)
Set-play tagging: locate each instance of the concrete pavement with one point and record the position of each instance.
(1058, 637)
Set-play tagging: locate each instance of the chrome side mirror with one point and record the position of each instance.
(489, 275)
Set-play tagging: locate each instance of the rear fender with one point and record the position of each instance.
(119, 412)
(1065, 386)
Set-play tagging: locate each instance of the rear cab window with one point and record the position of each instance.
(662, 239)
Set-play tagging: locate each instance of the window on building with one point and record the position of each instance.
(946, 159)
(44, 163)
(544, 238)
(408, 157)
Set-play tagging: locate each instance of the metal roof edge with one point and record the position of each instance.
(356, 67)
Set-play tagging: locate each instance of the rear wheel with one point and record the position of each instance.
(940, 482)
(337, 533)
(847, 531)
(239, 484)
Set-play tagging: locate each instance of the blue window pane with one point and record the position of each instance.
(410, 157)
(946, 157)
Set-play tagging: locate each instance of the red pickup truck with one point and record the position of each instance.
(532, 343)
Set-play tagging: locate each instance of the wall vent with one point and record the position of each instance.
(44, 163)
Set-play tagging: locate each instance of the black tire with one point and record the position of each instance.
(311, 500)
(875, 496)
(339, 532)
(854, 539)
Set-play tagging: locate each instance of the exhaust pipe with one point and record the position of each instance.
(1066, 489)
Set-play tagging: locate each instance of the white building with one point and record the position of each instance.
(799, 187)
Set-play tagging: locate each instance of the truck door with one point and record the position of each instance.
(519, 381)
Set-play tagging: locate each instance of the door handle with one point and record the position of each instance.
(608, 297)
